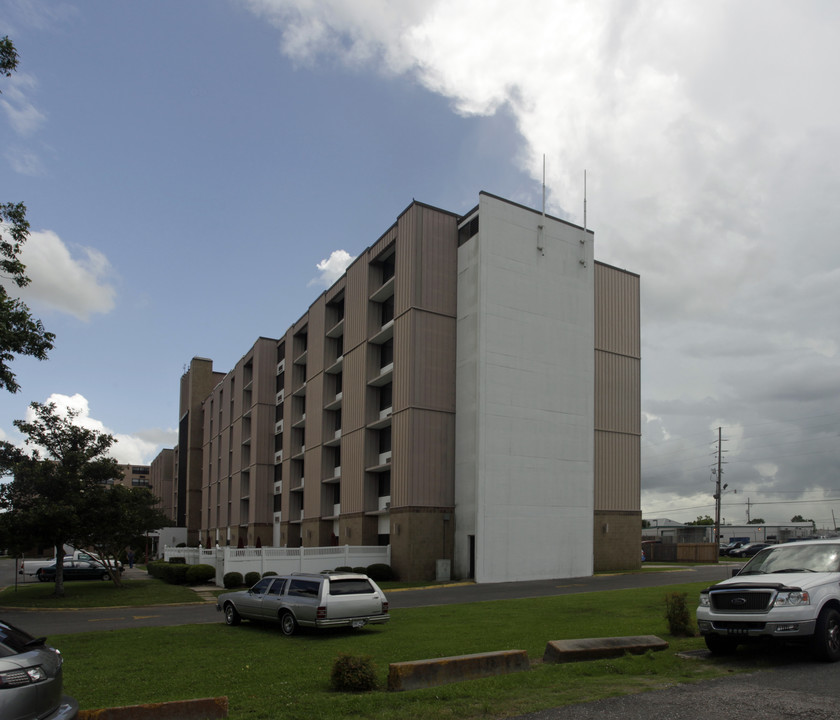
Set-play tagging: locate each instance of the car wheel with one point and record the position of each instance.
(231, 616)
(826, 642)
(719, 645)
(42, 577)
(288, 624)
(106, 576)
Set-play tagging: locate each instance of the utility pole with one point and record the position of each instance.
(718, 490)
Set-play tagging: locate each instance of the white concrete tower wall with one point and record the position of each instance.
(525, 397)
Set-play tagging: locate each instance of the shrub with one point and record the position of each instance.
(180, 560)
(351, 673)
(251, 578)
(268, 572)
(359, 570)
(155, 568)
(344, 568)
(380, 571)
(233, 580)
(200, 574)
(678, 615)
(174, 573)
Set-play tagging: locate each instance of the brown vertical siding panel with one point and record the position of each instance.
(424, 459)
(617, 471)
(315, 338)
(617, 393)
(617, 319)
(354, 389)
(352, 471)
(356, 304)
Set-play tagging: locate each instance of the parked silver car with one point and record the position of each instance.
(31, 679)
(335, 599)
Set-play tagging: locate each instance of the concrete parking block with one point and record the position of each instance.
(562, 651)
(417, 674)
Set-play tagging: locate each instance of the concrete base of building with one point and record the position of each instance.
(419, 538)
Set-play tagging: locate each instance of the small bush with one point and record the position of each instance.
(233, 580)
(344, 568)
(678, 615)
(351, 673)
(200, 574)
(359, 569)
(252, 578)
(379, 571)
(182, 561)
(155, 568)
(268, 572)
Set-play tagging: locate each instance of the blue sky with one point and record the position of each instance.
(187, 166)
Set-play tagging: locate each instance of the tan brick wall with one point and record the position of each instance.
(419, 537)
(617, 541)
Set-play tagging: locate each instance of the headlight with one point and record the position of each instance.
(792, 598)
(704, 599)
(26, 676)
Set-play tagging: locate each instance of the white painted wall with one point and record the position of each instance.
(525, 397)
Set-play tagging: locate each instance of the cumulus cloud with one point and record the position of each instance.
(332, 268)
(75, 284)
(709, 139)
(139, 448)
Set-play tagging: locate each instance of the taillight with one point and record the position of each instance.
(384, 608)
(321, 613)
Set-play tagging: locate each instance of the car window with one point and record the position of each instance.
(13, 640)
(262, 586)
(350, 586)
(304, 588)
(277, 587)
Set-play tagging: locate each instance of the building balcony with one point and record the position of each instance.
(336, 367)
(383, 421)
(300, 391)
(385, 291)
(385, 333)
(335, 403)
(337, 330)
(280, 397)
(333, 441)
(384, 463)
(385, 376)
(301, 359)
(300, 422)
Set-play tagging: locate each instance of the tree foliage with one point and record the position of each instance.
(756, 521)
(49, 499)
(702, 520)
(115, 517)
(20, 333)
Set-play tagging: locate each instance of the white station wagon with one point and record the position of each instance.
(335, 599)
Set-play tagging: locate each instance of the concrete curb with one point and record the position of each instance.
(201, 709)
(563, 651)
(417, 674)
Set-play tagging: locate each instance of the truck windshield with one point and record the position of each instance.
(795, 557)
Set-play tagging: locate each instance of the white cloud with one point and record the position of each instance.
(332, 268)
(139, 448)
(79, 285)
(23, 116)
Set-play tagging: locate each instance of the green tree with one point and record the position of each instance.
(757, 521)
(702, 520)
(115, 517)
(49, 499)
(20, 333)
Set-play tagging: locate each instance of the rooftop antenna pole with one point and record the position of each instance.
(541, 226)
(583, 235)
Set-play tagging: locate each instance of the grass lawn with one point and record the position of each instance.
(96, 593)
(266, 675)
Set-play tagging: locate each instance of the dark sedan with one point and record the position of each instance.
(76, 570)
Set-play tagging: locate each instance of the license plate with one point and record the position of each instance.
(358, 623)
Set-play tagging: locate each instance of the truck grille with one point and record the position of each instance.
(741, 600)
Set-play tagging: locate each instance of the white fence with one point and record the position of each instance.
(280, 560)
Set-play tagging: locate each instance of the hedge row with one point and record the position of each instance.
(180, 574)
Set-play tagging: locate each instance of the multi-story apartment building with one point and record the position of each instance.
(133, 476)
(468, 391)
(162, 480)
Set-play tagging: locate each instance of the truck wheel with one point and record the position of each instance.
(231, 616)
(288, 624)
(720, 645)
(826, 642)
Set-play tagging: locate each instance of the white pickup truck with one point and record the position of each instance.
(788, 592)
(30, 567)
